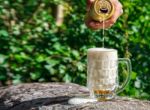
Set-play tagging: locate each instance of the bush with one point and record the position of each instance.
(34, 49)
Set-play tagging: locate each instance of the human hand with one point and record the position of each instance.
(108, 23)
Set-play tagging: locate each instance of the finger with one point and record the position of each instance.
(89, 3)
(97, 25)
(118, 11)
(108, 25)
(119, 5)
(93, 24)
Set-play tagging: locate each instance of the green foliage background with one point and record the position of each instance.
(34, 49)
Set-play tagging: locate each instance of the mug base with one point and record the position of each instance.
(102, 95)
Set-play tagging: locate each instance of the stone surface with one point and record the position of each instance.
(55, 96)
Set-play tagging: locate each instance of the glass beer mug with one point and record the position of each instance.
(102, 73)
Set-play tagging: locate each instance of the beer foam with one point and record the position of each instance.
(102, 49)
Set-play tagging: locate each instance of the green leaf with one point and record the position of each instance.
(67, 78)
(40, 58)
(2, 59)
(35, 76)
(2, 77)
(4, 33)
(75, 54)
(133, 75)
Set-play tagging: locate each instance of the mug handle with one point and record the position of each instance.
(129, 69)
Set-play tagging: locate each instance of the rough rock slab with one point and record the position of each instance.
(55, 96)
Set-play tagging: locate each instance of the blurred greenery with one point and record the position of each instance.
(34, 49)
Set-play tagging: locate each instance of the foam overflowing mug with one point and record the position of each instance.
(102, 73)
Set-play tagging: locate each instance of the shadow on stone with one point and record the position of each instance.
(36, 103)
